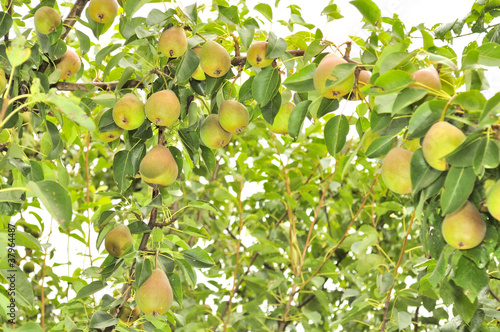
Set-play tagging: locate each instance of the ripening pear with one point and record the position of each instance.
(69, 64)
(280, 123)
(428, 77)
(108, 133)
(103, 11)
(47, 20)
(128, 112)
(158, 167)
(28, 267)
(173, 42)
(233, 116)
(396, 170)
(212, 134)
(214, 59)
(441, 139)
(198, 74)
(118, 240)
(3, 81)
(464, 228)
(323, 78)
(163, 108)
(155, 295)
(493, 200)
(256, 55)
(129, 315)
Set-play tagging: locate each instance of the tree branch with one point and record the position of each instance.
(106, 86)
(76, 11)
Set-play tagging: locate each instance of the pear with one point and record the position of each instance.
(280, 123)
(118, 240)
(69, 64)
(155, 296)
(158, 167)
(103, 11)
(3, 81)
(493, 200)
(47, 20)
(428, 77)
(396, 170)
(173, 42)
(212, 134)
(163, 108)
(256, 55)
(128, 112)
(323, 78)
(109, 132)
(441, 139)
(233, 116)
(129, 315)
(364, 77)
(198, 74)
(28, 267)
(464, 228)
(214, 59)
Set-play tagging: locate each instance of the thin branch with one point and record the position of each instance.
(106, 86)
(76, 11)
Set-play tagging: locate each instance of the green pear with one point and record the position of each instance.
(109, 132)
(493, 200)
(256, 55)
(441, 139)
(464, 228)
(323, 78)
(429, 77)
(198, 74)
(280, 123)
(47, 20)
(396, 170)
(173, 42)
(233, 116)
(163, 108)
(28, 267)
(214, 59)
(103, 11)
(155, 296)
(69, 64)
(158, 167)
(129, 315)
(3, 81)
(128, 112)
(118, 241)
(212, 134)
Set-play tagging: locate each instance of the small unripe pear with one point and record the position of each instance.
(155, 295)
(128, 112)
(428, 77)
(441, 139)
(163, 108)
(256, 55)
(493, 200)
(47, 20)
(198, 74)
(118, 240)
(214, 59)
(129, 315)
(233, 116)
(280, 123)
(173, 42)
(323, 78)
(158, 167)
(364, 77)
(28, 267)
(212, 134)
(464, 228)
(3, 81)
(396, 170)
(69, 64)
(108, 133)
(103, 11)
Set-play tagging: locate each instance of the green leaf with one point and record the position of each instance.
(302, 80)
(380, 146)
(384, 282)
(275, 46)
(422, 175)
(188, 66)
(28, 327)
(5, 23)
(266, 85)
(17, 53)
(471, 278)
(246, 34)
(70, 106)
(57, 146)
(489, 114)
(424, 117)
(390, 82)
(489, 54)
(23, 289)
(126, 165)
(197, 257)
(457, 188)
(403, 319)
(472, 101)
(265, 10)
(55, 199)
(90, 289)
(101, 319)
(336, 130)
(297, 118)
(270, 110)
(368, 9)
(407, 97)
(439, 271)
(84, 42)
(229, 14)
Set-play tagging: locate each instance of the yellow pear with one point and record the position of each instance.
(198, 74)
(212, 134)
(441, 139)
(464, 228)
(69, 64)
(163, 108)
(103, 11)
(428, 77)
(47, 20)
(280, 123)
(158, 167)
(128, 112)
(256, 55)
(214, 59)
(118, 240)
(155, 296)
(396, 170)
(173, 42)
(233, 116)
(493, 200)
(323, 78)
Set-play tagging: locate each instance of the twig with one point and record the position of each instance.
(68, 86)
(70, 20)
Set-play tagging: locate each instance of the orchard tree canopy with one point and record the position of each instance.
(218, 174)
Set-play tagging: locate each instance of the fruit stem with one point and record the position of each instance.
(446, 107)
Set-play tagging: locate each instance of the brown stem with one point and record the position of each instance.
(70, 20)
(415, 321)
(106, 86)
